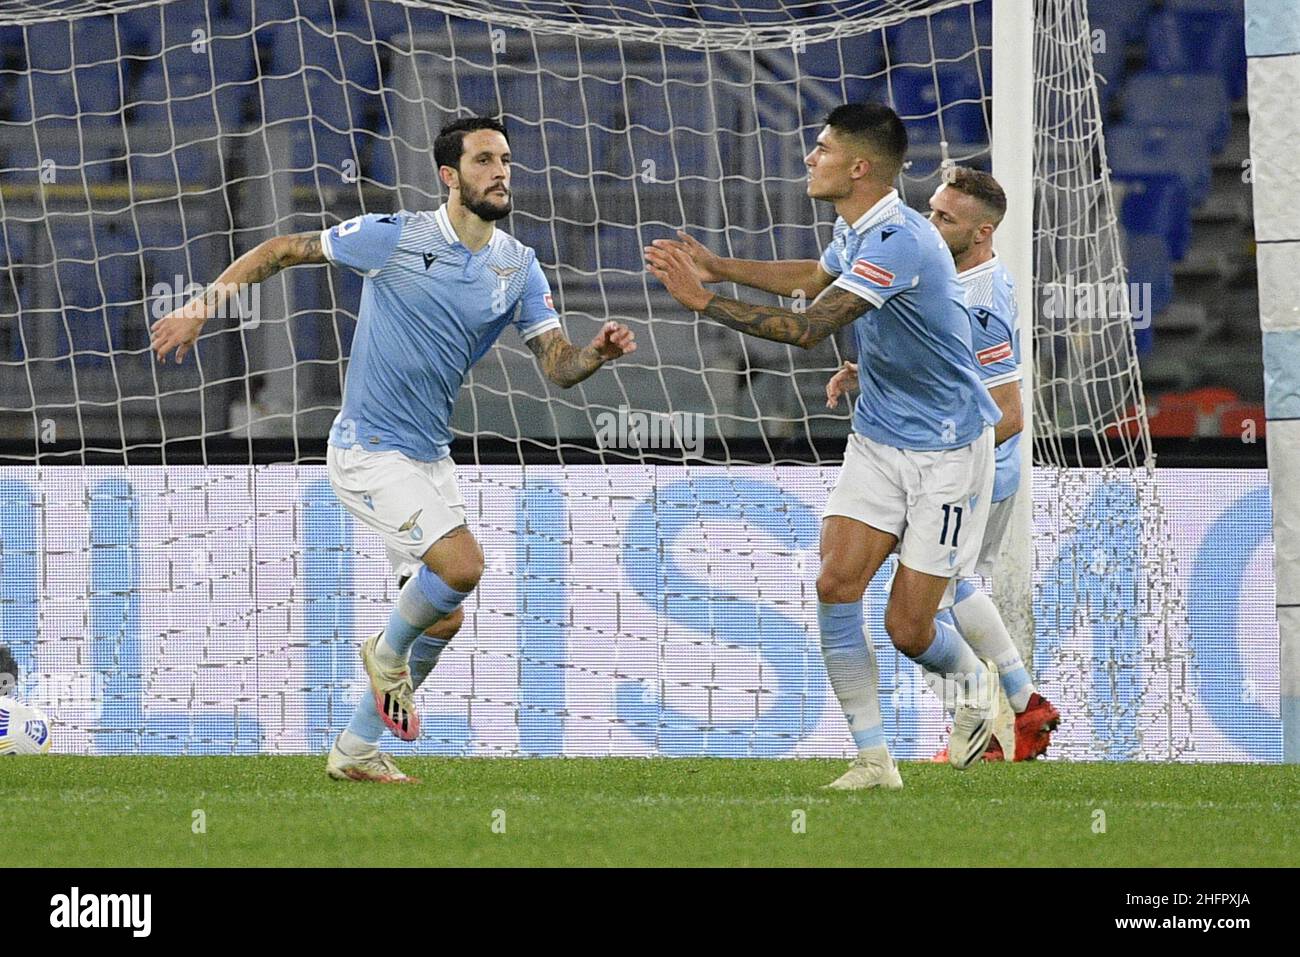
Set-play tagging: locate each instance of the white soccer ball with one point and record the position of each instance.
(23, 729)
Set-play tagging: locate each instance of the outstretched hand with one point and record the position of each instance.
(841, 382)
(614, 341)
(178, 330)
(670, 263)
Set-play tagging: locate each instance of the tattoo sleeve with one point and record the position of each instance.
(563, 362)
(263, 262)
(832, 310)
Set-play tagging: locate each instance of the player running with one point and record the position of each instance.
(918, 469)
(966, 209)
(440, 288)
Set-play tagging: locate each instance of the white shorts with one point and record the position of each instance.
(994, 532)
(935, 503)
(410, 504)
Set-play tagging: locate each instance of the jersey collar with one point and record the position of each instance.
(886, 205)
(449, 233)
(966, 275)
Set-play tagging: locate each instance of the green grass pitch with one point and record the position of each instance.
(75, 811)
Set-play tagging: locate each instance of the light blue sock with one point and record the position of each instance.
(422, 601)
(424, 655)
(951, 664)
(851, 666)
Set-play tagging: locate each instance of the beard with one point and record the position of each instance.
(485, 207)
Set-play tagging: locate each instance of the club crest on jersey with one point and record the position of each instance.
(872, 273)
(994, 353)
(504, 272)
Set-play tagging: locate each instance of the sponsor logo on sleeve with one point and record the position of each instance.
(878, 275)
(994, 353)
(550, 303)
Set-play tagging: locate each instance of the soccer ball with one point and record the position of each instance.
(23, 729)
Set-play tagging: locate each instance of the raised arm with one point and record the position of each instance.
(832, 310)
(179, 329)
(784, 277)
(566, 365)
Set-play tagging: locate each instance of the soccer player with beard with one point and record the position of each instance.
(441, 286)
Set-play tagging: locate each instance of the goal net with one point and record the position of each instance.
(178, 576)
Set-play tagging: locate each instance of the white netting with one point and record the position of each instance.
(144, 149)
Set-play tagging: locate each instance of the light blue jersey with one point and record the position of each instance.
(991, 299)
(429, 310)
(920, 385)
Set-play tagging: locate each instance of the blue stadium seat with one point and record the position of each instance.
(947, 36)
(1148, 263)
(1157, 205)
(99, 94)
(192, 103)
(148, 100)
(1120, 23)
(1137, 151)
(15, 98)
(140, 31)
(1195, 37)
(54, 94)
(280, 98)
(152, 169)
(49, 46)
(92, 43)
(233, 54)
(1180, 99)
(378, 163)
(382, 20)
(961, 119)
(328, 100)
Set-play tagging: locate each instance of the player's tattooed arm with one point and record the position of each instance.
(566, 365)
(179, 329)
(831, 310)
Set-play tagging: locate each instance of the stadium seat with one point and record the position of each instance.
(1170, 417)
(1200, 37)
(1156, 205)
(961, 119)
(49, 46)
(1239, 418)
(99, 94)
(54, 94)
(1197, 100)
(1148, 263)
(1136, 151)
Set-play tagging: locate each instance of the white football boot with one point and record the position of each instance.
(374, 766)
(978, 714)
(872, 768)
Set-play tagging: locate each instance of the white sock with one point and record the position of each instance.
(982, 627)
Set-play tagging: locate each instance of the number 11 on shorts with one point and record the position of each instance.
(951, 512)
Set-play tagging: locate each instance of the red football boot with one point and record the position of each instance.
(1034, 727)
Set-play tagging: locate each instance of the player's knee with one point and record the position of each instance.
(461, 570)
(909, 633)
(835, 588)
(445, 628)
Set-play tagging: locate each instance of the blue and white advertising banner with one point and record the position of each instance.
(625, 610)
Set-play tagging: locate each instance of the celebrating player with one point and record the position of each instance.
(440, 287)
(918, 469)
(966, 209)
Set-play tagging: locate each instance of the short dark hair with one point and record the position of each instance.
(878, 126)
(450, 144)
(980, 185)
